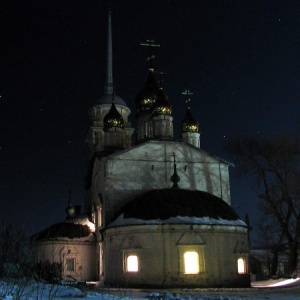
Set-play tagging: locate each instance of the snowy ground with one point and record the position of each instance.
(24, 290)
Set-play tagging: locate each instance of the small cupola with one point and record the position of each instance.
(190, 130)
(113, 118)
(189, 123)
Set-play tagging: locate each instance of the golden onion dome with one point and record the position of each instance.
(161, 105)
(113, 118)
(189, 123)
(147, 96)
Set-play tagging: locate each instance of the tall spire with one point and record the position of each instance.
(109, 71)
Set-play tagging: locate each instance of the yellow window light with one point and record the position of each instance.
(191, 262)
(132, 263)
(241, 266)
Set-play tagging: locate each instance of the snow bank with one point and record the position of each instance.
(285, 282)
(31, 290)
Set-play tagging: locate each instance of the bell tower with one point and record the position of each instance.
(95, 137)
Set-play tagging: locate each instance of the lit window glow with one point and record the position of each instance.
(132, 263)
(191, 262)
(241, 266)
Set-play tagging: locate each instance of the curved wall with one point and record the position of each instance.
(160, 249)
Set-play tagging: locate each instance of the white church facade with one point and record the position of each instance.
(157, 213)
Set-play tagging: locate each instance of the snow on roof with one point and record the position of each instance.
(177, 206)
(83, 220)
(78, 227)
(122, 221)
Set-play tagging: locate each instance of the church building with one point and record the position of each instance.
(157, 210)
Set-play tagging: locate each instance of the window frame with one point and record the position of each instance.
(187, 265)
(136, 258)
(73, 259)
(131, 252)
(243, 259)
(199, 249)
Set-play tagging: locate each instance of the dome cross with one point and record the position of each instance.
(187, 93)
(150, 43)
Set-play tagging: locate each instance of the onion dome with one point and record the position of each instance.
(147, 96)
(161, 105)
(113, 118)
(177, 206)
(189, 123)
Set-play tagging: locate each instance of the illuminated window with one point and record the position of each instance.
(191, 259)
(241, 266)
(132, 263)
(70, 264)
(191, 262)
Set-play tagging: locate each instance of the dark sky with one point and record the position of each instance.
(240, 58)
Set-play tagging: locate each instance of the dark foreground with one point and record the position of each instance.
(258, 291)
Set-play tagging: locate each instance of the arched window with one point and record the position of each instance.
(241, 266)
(191, 262)
(132, 264)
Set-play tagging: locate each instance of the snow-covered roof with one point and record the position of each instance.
(177, 206)
(122, 221)
(75, 228)
(83, 220)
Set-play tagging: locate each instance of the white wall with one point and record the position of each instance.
(127, 174)
(159, 248)
(84, 254)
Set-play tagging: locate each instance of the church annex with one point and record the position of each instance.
(157, 211)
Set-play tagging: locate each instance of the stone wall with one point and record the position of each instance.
(159, 249)
(122, 176)
(83, 253)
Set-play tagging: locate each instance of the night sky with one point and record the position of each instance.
(240, 58)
